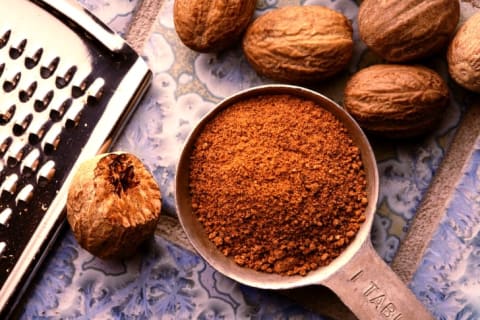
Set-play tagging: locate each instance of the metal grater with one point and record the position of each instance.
(67, 86)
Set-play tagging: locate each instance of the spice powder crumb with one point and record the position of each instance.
(278, 184)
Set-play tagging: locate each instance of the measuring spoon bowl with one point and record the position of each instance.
(361, 279)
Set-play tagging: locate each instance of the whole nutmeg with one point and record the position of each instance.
(211, 25)
(396, 101)
(406, 30)
(299, 44)
(463, 54)
(113, 205)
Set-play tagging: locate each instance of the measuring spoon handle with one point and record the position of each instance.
(369, 287)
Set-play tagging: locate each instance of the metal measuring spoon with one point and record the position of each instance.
(361, 279)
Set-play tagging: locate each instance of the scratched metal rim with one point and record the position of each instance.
(227, 266)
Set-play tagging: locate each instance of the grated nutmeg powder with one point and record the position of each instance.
(278, 184)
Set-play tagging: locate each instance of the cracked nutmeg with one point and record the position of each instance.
(113, 205)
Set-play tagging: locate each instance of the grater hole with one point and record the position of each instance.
(5, 217)
(7, 115)
(40, 105)
(74, 113)
(34, 138)
(52, 139)
(16, 52)
(25, 195)
(10, 85)
(62, 82)
(15, 154)
(78, 91)
(31, 162)
(2, 68)
(25, 95)
(46, 174)
(9, 186)
(5, 144)
(95, 91)
(12, 162)
(56, 114)
(46, 72)
(4, 39)
(50, 148)
(31, 62)
(36, 135)
(28, 172)
(20, 127)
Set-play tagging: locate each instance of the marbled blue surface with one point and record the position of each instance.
(449, 277)
(166, 281)
(163, 281)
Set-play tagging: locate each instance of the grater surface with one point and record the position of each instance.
(67, 86)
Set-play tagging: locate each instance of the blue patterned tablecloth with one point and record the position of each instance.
(167, 281)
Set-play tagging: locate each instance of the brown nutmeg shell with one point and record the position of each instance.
(396, 101)
(464, 55)
(406, 30)
(211, 25)
(113, 205)
(299, 44)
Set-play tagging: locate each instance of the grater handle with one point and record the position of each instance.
(86, 21)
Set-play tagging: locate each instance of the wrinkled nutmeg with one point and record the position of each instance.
(113, 205)
(396, 101)
(299, 44)
(464, 55)
(405, 30)
(211, 25)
